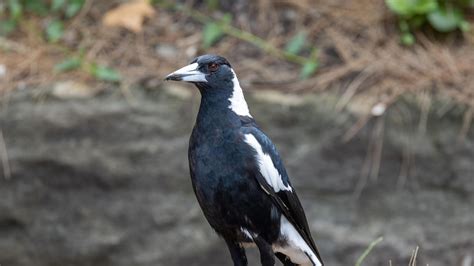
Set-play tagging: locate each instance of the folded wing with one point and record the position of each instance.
(274, 180)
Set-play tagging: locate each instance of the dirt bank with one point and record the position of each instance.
(104, 181)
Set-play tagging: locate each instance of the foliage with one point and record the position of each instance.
(216, 29)
(104, 73)
(100, 72)
(213, 32)
(443, 16)
(68, 64)
(295, 45)
(55, 11)
(311, 65)
(54, 30)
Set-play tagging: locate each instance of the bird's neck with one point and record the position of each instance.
(222, 106)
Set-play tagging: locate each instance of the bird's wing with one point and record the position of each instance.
(274, 180)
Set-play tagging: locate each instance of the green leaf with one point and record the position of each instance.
(403, 25)
(68, 64)
(445, 20)
(295, 45)
(35, 6)
(399, 7)
(211, 34)
(227, 18)
(7, 26)
(212, 5)
(73, 7)
(15, 8)
(417, 21)
(54, 31)
(105, 73)
(409, 8)
(407, 39)
(308, 69)
(424, 6)
(57, 4)
(464, 26)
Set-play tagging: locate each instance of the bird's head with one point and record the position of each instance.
(206, 70)
(216, 81)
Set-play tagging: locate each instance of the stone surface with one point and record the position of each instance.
(98, 181)
(167, 51)
(73, 90)
(3, 71)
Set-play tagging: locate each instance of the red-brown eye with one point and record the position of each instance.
(213, 67)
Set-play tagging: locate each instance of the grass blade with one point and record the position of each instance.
(68, 64)
(367, 251)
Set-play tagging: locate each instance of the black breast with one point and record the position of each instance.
(222, 169)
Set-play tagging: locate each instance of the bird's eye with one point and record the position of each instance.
(213, 67)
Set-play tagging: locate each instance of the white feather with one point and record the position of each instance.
(293, 245)
(237, 101)
(266, 166)
(246, 232)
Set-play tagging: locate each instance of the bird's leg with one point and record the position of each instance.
(284, 259)
(266, 252)
(237, 252)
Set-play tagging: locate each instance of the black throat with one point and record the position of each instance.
(214, 110)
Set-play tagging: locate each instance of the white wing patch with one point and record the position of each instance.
(237, 101)
(266, 166)
(246, 232)
(293, 245)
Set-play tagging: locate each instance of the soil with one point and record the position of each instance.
(104, 180)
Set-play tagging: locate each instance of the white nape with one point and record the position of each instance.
(295, 247)
(266, 166)
(237, 101)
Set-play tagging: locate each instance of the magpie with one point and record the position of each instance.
(237, 174)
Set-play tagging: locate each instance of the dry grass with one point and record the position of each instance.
(360, 51)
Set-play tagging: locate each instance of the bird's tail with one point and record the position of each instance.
(315, 261)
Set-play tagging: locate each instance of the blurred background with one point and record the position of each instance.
(370, 103)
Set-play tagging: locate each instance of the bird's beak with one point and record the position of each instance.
(189, 73)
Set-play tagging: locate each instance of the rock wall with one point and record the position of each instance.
(104, 181)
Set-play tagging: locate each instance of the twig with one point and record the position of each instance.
(353, 87)
(4, 156)
(378, 146)
(405, 167)
(364, 175)
(467, 261)
(356, 128)
(466, 124)
(371, 165)
(425, 104)
(367, 251)
(413, 257)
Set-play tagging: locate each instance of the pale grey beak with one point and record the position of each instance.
(189, 73)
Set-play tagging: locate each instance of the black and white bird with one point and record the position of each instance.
(237, 174)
